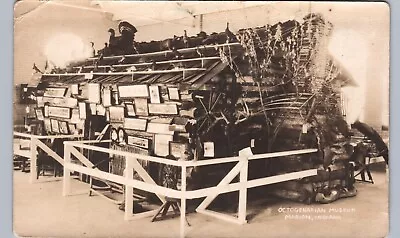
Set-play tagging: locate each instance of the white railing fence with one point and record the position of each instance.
(149, 185)
(35, 142)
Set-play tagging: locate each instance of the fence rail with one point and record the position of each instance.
(149, 185)
(35, 143)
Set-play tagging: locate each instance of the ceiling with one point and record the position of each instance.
(148, 13)
(144, 13)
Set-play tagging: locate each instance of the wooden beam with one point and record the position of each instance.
(281, 178)
(33, 170)
(226, 180)
(144, 64)
(81, 157)
(183, 202)
(50, 152)
(132, 73)
(128, 173)
(133, 163)
(67, 171)
(167, 51)
(282, 153)
(124, 153)
(122, 180)
(243, 192)
(221, 216)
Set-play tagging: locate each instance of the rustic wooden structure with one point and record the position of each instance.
(272, 88)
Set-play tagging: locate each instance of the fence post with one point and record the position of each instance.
(183, 201)
(33, 148)
(67, 172)
(243, 191)
(128, 189)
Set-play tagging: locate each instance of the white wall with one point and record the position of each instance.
(33, 30)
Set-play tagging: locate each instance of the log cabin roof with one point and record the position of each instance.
(192, 70)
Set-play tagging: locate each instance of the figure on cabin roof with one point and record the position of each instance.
(185, 39)
(230, 37)
(37, 70)
(112, 41)
(93, 49)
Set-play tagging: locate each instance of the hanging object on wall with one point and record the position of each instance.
(55, 92)
(130, 109)
(114, 135)
(163, 109)
(106, 96)
(75, 115)
(82, 110)
(40, 102)
(54, 126)
(159, 128)
(116, 113)
(155, 94)
(178, 149)
(121, 135)
(135, 124)
(93, 92)
(161, 144)
(72, 128)
(47, 125)
(60, 112)
(208, 149)
(61, 102)
(115, 98)
(39, 114)
(141, 107)
(100, 110)
(173, 94)
(74, 89)
(137, 141)
(132, 91)
(63, 127)
(93, 108)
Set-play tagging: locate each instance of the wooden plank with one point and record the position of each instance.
(81, 157)
(128, 189)
(50, 152)
(221, 216)
(131, 73)
(33, 170)
(162, 53)
(126, 154)
(67, 172)
(158, 62)
(133, 163)
(183, 202)
(212, 73)
(243, 192)
(282, 153)
(122, 180)
(226, 180)
(281, 178)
